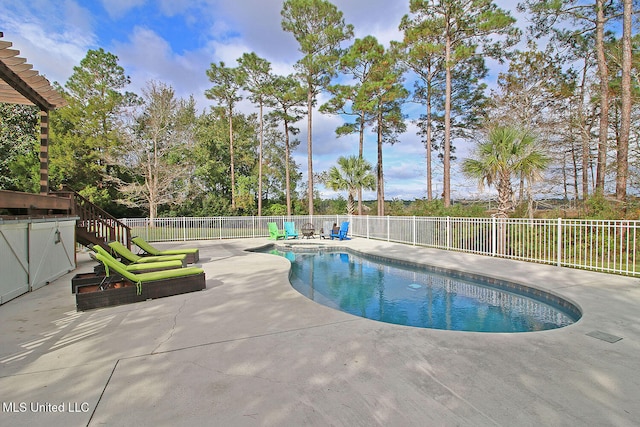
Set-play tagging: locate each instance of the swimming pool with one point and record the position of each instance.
(383, 290)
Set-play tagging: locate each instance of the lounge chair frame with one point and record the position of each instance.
(130, 288)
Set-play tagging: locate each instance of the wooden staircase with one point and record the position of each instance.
(95, 226)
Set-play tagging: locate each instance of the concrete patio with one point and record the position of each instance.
(250, 351)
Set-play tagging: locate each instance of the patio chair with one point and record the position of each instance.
(274, 233)
(193, 254)
(140, 268)
(177, 275)
(131, 258)
(342, 232)
(290, 230)
(327, 226)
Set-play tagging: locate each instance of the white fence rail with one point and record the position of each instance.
(608, 246)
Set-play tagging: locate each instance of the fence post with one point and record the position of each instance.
(448, 233)
(388, 227)
(559, 249)
(414, 230)
(184, 228)
(494, 233)
(367, 227)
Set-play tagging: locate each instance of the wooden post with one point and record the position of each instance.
(44, 151)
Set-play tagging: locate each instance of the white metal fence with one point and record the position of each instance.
(608, 246)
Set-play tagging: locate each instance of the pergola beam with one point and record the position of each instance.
(20, 84)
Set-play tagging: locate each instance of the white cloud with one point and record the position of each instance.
(118, 8)
(53, 38)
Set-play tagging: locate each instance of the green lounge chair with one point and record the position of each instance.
(193, 254)
(274, 233)
(290, 230)
(132, 258)
(140, 268)
(172, 276)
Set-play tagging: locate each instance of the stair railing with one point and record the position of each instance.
(96, 221)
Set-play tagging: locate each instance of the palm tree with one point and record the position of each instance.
(354, 173)
(507, 151)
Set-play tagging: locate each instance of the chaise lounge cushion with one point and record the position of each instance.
(143, 267)
(193, 254)
(130, 257)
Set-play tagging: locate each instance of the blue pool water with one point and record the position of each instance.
(394, 293)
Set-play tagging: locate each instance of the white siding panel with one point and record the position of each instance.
(52, 251)
(14, 261)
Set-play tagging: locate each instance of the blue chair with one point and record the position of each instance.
(342, 232)
(290, 230)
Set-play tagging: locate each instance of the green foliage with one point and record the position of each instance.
(319, 29)
(212, 155)
(97, 196)
(276, 209)
(352, 174)
(285, 95)
(257, 76)
(395, 207)
(507, 151)
(337, 206)
(226, 92)
(599, 207)
(357, 62)
(227, 84)
(85, 131)
(436, 208)
(200, 204)
(246, 198)
(19, 148)
(462, 31)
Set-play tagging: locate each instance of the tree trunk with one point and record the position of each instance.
(260, 162)
(350, 202)
(286, 166)
(428, 145)
(625, 120)
(574, 163)
(233, 173)
(504, 195)
(604, 99)
(361, 156)
(309, 149)
(584, 133)
(446, 184)
(380, 174)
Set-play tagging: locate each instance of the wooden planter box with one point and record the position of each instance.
(89, 296)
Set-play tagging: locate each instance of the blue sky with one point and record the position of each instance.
(175, 41)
